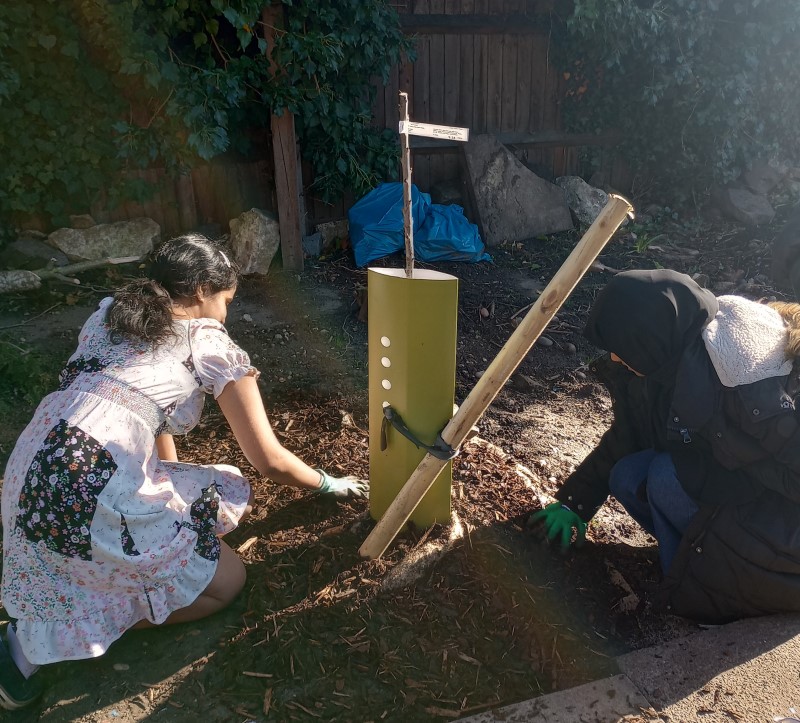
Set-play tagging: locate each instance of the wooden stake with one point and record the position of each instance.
(288, 174)
(408, 218)
(501, 368)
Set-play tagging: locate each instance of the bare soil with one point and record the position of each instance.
(317, 634)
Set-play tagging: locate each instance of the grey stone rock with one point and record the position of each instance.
(312, 244)
(331, 231)
(745, 206)
(125, 238)
(585, 201)
(255, 239)
(514, 204)
(31, 254)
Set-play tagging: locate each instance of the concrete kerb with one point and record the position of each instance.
(747, 671)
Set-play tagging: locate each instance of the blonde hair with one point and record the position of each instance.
(790, 313)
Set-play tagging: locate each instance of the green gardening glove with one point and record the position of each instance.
(559, 521)
(342, 487)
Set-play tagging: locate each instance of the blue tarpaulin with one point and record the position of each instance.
(441, 233)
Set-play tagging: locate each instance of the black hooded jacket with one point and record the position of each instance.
(736, 451)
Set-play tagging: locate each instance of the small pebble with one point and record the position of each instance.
(545, 341)
(570, 348)
(484, 312)
(247, 317)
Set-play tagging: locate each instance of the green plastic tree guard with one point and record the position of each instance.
(412, 364)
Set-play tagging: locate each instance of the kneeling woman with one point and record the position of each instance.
(704, 449)
(103, 529)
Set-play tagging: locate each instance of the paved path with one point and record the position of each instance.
(745, 672)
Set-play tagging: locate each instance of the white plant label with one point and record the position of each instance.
(429, 130)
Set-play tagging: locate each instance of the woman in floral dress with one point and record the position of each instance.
(103, 529)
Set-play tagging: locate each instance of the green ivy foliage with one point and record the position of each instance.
(90, 88)
(700, 88)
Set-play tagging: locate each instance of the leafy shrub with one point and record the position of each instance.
(700, 88)
(89, 89)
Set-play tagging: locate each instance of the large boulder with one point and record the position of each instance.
(255, 239)
(585, 201)
(513, 203)
(745, 206)
(125, 238)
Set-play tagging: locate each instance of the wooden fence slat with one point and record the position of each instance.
(480, 95)
(187, 203)
(508, 86)
(171, 225)
(523, 91)
(135, 209)
(494, 83)
(201, 182)
(420, 108)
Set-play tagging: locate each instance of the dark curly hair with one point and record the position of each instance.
(179, 268)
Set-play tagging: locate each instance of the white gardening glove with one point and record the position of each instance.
(342, 487)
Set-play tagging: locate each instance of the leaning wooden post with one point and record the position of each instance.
(501, 368)
(408, 217)
(288, 175)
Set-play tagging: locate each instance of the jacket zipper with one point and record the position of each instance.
(685, 432)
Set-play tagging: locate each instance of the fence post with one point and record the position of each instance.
(287, 169)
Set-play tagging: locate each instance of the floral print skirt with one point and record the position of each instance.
(98, 533)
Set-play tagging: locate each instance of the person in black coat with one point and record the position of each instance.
(704, 449)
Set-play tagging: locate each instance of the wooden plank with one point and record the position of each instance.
(466, 90)
(203, 192)
(186, 202)
(420, 107)
(452, 82)
(438, 84)
(169, 204)
(390, 94)
(219, 195)
(284, 150)
(524, 63)
(494, 83)
(237, 173)
(479, 65)
(152, 203)
(256, 194)
(538, 80)
(379, 104)
(446, 167)
(508, 84)
(134, 209)
(288, 180)
(405, 82)
(552, 93)
(497, 24)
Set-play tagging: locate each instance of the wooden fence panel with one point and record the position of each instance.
(485, 65)
(481, 64)
(211, 195)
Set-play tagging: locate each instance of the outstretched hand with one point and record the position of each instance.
(342, 487)
(558, 522)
